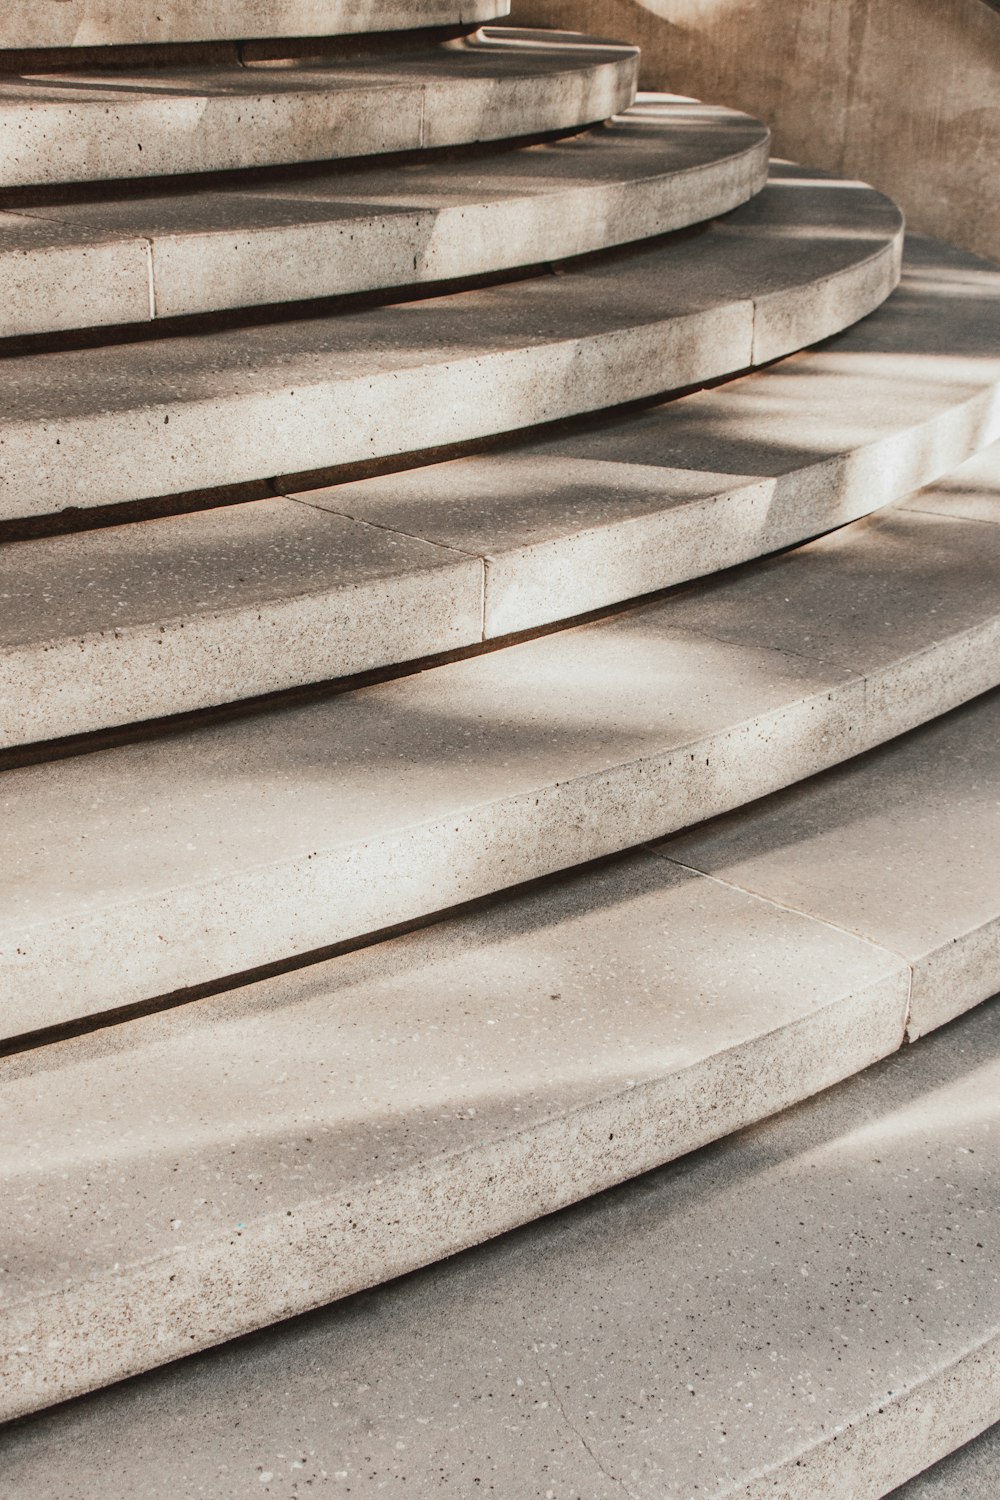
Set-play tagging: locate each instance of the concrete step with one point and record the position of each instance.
(500, 82)
(108, 23)
(665, 164)
(167, 616)
(193, 1175)
(94, 426)
(137, 871)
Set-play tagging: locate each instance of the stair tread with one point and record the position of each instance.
(97, 426)
(164, 616)
(855, 848)
(101, 23)
(394, 801)
(308, 1136)
(89, 126)
(663, 165)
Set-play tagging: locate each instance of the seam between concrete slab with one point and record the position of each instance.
(799, 911)
(947, 515)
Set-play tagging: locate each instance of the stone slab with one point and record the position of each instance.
(969, 1473)
(94, 426)
(127, 874)
(165, 616)
(665, 164)
(106, 23)
(627, 506)
(138, 621)
(88, 126)
(806, 1309)
(902, 847)
(365, 1116)
(971, 493)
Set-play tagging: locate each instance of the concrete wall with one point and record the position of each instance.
(903, 93)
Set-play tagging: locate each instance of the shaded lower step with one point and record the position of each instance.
(138, 621)
(819, 1291)
(666, 164)
(161, 416)
(133, 872)
(106, 23)
(497, 83)
(969, 1472)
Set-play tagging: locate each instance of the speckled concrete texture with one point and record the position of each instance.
(192, 1176)
(838, 847)
(104, 23)
(135, 871)
(969, 1474)
(91, 126)
(137, 621)
(94, 426)
(126, 623)
(665, 164)
(805, 1310)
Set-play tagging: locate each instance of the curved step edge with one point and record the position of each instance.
(165, 416)
(556, 1098)
(127, 875)
(498, 84)
(169, 616)
(98, 23)
(664, 165)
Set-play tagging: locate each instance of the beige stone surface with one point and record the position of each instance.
(93, 426)
(147, 619)
(136, 871)
(807, 1309)
(901, 847)
(971, 492)
(167, 616)
(91, 126)
(382, 1110)
(830, 82)
(663, 165)
(970, 1472)
(103, 23)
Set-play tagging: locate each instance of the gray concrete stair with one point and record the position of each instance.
(665, 164)
(127, 875)
(854, 1255)
(172, 615)
(88, 126)
(304, 993)
(95, 426)
(115, 23)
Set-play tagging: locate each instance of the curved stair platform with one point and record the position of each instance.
(495, 84)
(147, 620)
(96, 426)
(665, 164)
(117, 23)
(135, 872)
(193, 1175)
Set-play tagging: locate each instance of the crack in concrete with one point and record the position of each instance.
(614, 1478)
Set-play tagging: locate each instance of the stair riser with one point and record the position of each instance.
(206, 930)
(108, 1328)
(84, 273)
(217, 123)
(109, 23)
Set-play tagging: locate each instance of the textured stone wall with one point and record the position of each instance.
(904, 93)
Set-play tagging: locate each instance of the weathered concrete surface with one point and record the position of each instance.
(828, 79)
(805, 1310)
(103, 23)
(665, 164)
(132, 872)
(969, 1474)
(138, 621)
(371, 1114)
(91, 126)
(901, 847)
(90, 427)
